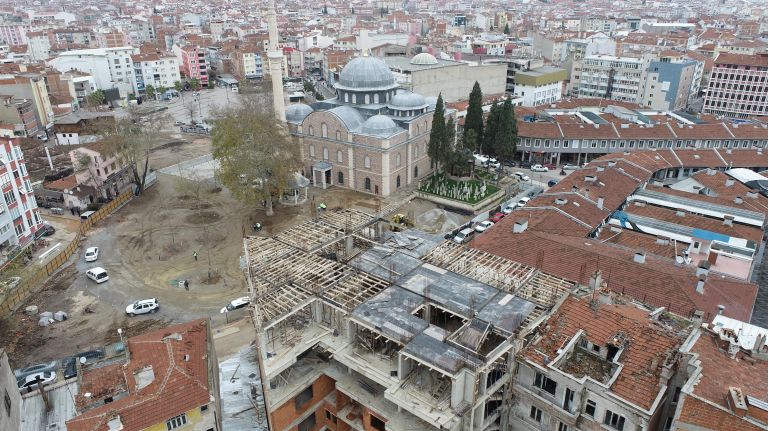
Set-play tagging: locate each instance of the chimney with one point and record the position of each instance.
(711, 171)
(590, 178)
(561, 201)
(737, 401)
(639, 257)
(574, 189)
(700, 286)
(729, 182)
(752, 194)
(662, 241)
(720, 309)
(703, 269)
(600, 201)
(520, 225)
(760, 349)
(728, 220)
(595, 280)
(600, 169)
(680, 213)
(611, 162)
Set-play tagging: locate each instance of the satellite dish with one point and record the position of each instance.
(679, 259)
(83, 360)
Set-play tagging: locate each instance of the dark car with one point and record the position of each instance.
(45, 230)
(551, 183)
(91, 355)
(70, 367)
(526, 165)
(550, 166)
(510, 163)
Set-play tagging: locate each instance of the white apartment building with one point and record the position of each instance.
(609, 77)
(253, 66)
(19, 214)
(110, 67)
(540, 86)
(38, 46)
(157, 70)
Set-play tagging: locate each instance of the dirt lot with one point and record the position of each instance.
(147, 247)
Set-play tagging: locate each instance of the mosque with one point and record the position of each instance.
(372, 137)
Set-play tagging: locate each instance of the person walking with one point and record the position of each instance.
(186, 284)
(195, 255)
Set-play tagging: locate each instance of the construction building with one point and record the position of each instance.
(411, 333)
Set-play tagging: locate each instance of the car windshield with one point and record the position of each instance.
(230, 306)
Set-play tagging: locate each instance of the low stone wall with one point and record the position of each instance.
(490, 201)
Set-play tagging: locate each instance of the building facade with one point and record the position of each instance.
(671, 84)
(540, 86)
(19, 214)
(110, 67)
(609, 77)
(157, 70)
(19, 114)
(192, 62)
(10, 415)
(738, 86)
(371, 137)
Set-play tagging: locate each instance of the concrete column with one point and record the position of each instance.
(558, 159)
(276, 74)
(324, 183)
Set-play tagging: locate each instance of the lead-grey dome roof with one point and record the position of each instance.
(297, 112)
(406, 99)
(424, 58)
(366, 73)
(380, 125)
(348, 115)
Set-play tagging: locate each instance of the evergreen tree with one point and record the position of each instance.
(474, 118)
(437, 136)
(491, 130)
(450, 134)
(507, 142)
(506, 28)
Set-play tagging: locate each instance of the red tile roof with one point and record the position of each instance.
(759, 60)
(179, 384)
(66, 183)
(649, 344)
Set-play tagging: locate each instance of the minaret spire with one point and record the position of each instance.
(275, 56)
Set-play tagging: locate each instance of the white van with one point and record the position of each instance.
(463, 236)
(86, 215)
(98, 274)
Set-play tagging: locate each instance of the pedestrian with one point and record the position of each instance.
(186, 284)
(72, 210)
(195, 255)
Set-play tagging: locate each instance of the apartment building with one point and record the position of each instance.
(738, 86)
(192, 62)
(10, 418)
(19, 214)
(247, 62)
(38, 45)
(101, 169)
(157, 70)
(110, 67)
(596, 365)
(543, 85)
(19, 115)
(14, 34)
(166, 379)
(672, 84)
(609, 77)
(31, 86)
(110, 38)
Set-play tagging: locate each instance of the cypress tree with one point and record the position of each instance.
(474, 119)
(507, 142)
(491, 136)
(437, 136)
(506, 28)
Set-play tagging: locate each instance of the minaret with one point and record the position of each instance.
(275, 56)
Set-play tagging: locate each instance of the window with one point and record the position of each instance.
(614, 420)
(7, 399)
(590, 408)
(543, 382)
(398, 182)
(308, 423)
(303, 397)
(323, 130)
(338, 135)
(398, 160)
(415, 172)
(311, 131)
(176, 422)
(311, 150)
(340, 177)
(339, 156)
(536, 414)
(367, 184)
(562, 427)
(377, 423)
(325, 153)
(568, 400)
(367, 162)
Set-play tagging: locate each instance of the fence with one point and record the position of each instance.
(34, 276)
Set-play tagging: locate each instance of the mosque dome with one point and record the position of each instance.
(424, 59)
(366, 74)
(297, 112)
(380, 125)
(407, 100)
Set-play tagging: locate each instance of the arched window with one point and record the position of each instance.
(323, 130)
(340, 178)
(346, 97)
(338, 135)
(367, 99)
(367, 184)
(325, 153)
(418, 129)
(397, 160)
(367, 162)
(398, 181)
(416, 151)
(376, 98)
(415, 172)
(311, 150)
(339, 156)
(311, 131)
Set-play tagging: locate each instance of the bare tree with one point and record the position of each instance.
(84, 162)
(190, 107)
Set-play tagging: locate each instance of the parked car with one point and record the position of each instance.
(526, 165)
(69, 366)
(551, 183)
(98, 274)
(570, 167)
(143, 306)
(235, 304)
(539, 168)
(179, 123)
(508, 209)
(550, 166)
(522, 177)
(492, 163)
(497, 217)
(45, 230)
(46, 377)
(510, 163)
(463, 236)
(483, 226)
(91, 254)
(32, 369)
(91, 354)
(521, 203)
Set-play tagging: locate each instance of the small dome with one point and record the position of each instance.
(348, 115)
(366, 73)
(380, 125)
(424, 59)
(406, 99)
(297, 112)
